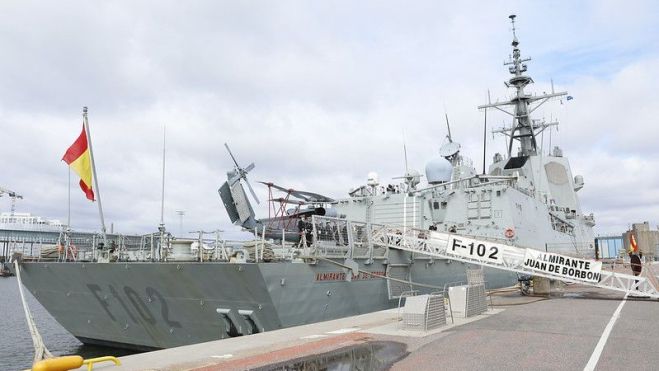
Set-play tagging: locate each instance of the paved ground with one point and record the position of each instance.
(556, 334)
(559, 333)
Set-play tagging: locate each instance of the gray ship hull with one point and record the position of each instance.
(161, 305)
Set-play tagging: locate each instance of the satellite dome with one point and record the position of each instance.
(438, 170)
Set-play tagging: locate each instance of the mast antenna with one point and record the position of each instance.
(448, 127)
(523, 129)
(489, 101)
(552, 86)
(512, 20)
(405, 150)
(162, 195)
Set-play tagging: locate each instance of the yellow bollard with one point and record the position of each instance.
(70, 363)
(90, 362)
(58, 364)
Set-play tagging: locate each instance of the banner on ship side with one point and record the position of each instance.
(564, 266)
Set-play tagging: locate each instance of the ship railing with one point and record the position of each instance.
(87, 247)
(485, 180)
(470, 182)
(28, 246)
(341, 238)
(157, 247)
(63, 245)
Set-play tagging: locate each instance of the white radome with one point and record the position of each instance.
(438, 170)
(373, 179)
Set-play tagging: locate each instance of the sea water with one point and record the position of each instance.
(16, 348)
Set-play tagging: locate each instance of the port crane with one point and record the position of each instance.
(13, 195)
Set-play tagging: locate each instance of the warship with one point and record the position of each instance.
(317, 258)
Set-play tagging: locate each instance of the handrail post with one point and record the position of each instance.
(351, 241)
(369, 242)
(314, 231)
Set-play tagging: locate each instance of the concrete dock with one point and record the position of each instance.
(582, 329)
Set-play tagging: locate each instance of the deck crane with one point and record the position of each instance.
(13, 195)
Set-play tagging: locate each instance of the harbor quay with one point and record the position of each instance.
(575, 328)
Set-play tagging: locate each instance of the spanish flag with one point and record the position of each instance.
(79, 158)
(633, 247)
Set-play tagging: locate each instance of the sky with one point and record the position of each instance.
(316, 94)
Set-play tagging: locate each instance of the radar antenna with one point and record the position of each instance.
(512, 20)
(451, 149)
(412, 177)
(241, 173)
(523, 128)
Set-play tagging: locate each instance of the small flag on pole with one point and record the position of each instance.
(79, 159)
(633, 247)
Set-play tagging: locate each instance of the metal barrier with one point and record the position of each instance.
(424, 312)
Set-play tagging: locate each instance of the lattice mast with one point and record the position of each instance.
(524, 129)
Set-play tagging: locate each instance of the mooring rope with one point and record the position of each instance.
(40, 350)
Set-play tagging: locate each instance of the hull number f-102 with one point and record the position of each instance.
(474, 249)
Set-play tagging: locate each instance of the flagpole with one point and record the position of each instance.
(67, 236)
(161, 227)
(162, 195)
(97, 190)
(68, 218)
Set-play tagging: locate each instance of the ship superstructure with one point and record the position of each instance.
(527, 198)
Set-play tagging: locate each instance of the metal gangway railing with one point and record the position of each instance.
(350, 239)
(518, 260)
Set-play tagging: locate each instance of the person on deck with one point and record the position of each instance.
(301, 227)
(634, 257)
(635, 260)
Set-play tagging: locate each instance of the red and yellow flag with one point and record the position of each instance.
(78, 157)
(632, 243)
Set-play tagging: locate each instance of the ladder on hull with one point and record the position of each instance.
(516, 259)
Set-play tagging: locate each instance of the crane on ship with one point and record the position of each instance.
(13, 195)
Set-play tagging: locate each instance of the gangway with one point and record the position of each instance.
(519, 260)
(374, 239)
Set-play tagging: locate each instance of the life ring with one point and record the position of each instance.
(509, 233)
